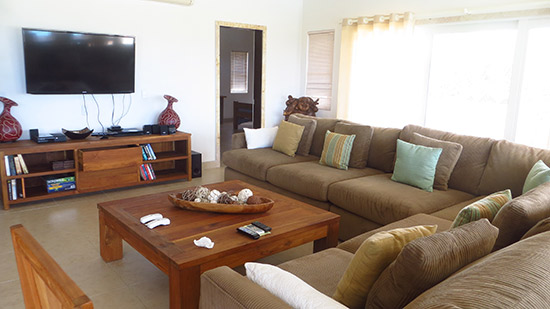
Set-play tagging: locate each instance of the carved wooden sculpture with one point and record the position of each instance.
(302, 105)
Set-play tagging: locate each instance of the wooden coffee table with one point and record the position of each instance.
(172, 250)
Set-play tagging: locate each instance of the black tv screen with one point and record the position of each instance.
(63, 62)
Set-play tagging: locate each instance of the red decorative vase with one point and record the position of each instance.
(10, 128)
(168, 115)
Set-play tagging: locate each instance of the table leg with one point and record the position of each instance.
(184, 287)
(330, 241)
(110, 242)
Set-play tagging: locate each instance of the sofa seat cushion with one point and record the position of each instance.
(384, 201)
(256, 162)
(312, 179)
(354, 243)
(492, 283)
(321, 270)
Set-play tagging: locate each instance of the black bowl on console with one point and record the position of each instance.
(77, 134)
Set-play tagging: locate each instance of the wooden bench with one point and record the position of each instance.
(242, 112)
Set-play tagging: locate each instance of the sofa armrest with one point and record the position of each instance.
(222, 287)
(238, 140)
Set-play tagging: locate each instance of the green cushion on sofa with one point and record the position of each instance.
(487, 207)
(288, 138)
(337, 150)
(539, 174)
(415, 165)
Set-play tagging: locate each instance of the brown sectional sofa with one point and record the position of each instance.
(366, 198)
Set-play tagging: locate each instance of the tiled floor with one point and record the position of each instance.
(68, 229)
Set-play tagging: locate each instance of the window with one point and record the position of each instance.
(319, 67)
(239, 72)
(470, 75)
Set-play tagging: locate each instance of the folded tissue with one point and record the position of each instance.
(204, 242)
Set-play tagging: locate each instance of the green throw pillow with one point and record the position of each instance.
(337, 150)
(415, 165)
(487, 207)
(539, 174)
(288, 138)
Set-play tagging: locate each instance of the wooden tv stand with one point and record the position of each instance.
(99, 164)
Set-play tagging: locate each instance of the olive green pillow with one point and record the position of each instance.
(288, 138)
(372, 257)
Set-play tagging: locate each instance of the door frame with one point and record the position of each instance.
(220, 24)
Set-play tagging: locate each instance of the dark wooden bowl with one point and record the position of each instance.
(77, 134)
(266, 205)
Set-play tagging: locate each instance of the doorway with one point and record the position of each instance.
(240, 82)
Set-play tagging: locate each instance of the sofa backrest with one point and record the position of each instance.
(323, 124)
(508, 166)
(469, 169)
(382, 148)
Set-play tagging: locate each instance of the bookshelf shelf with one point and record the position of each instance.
(99, 164)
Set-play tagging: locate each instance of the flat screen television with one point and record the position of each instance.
(64, 62)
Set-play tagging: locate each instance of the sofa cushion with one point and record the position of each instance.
(539, 174)
(469, 168)
(447, 161)
(508, 166)
(323, 124)
(353, 244)
(520, 214)
(415, 165)
(361, 144)
(260, 138)
(492, 283)
(288, 138)
(312, 179)
(321, 270)
(337, 150)
(451, 212)
(256, 162)
(383, 201)
(487, 207)
(288, 287)
(307, 137)
(541, 227)
(382, 148)
(426, 261)
(372, 257)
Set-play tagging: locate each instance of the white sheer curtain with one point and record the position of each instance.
(380, 76)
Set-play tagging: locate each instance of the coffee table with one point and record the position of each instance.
(172, 250)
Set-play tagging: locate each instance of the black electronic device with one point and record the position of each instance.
(64, 62)
(163, 129)
(114, 128)
(196, 164)
(122, 132)
(255, 230)
(148, 129)
(46, 138)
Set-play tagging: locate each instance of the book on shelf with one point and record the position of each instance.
(147, 172)
(148, 153)
(7, 163)
(142, 172)
(18, 168)
(23, 164)
(12, 166)
(143, 154)
(153, 155)
(13, 186)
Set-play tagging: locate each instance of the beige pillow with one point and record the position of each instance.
(519, 215)
(309, 125)
(287, 138)
(361, 144)
(372, 257)
(447, 160)
(541, 227)
(426, 261)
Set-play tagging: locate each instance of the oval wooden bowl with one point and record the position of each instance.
(266, 205)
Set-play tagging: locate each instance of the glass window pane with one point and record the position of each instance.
(239, 72)
(533, 126)
(470, 75)
(319, 67)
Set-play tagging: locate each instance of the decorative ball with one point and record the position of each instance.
(254, 200)
(226, 198)
(213, 196)
(202, 192)
(188, 195)
(244, 194)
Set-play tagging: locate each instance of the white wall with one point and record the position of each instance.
(175, 54)
(327, 14)
(235, 39)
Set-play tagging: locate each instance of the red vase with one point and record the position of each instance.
(169, 115)
(10, 128)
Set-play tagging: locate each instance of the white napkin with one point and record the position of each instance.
(204, 242)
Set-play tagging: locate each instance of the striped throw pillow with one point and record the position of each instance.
(337, 150)
(485, 208)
